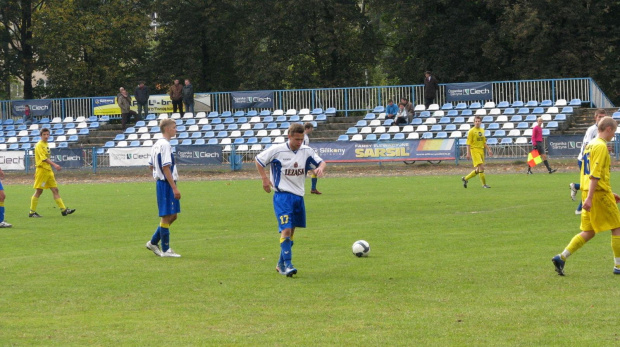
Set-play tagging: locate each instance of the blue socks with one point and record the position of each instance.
(2, 213)
(155, 239)
(165, 238)
(286, 253)
(314, 180)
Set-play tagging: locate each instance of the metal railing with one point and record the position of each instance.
(354, 99)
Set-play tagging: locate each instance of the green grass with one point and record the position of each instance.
(448, 266)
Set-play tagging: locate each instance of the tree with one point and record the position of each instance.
(92, 47)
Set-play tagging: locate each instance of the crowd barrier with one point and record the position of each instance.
(432, 150)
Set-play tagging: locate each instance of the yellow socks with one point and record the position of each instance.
(33, 204)
(471, 174)
(60, 204)
(483, 179)
(577, 242)
(615, 246)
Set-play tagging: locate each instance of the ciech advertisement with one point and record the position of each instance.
(138, 156)
(198, 155)
(157, 104)
(13, 160)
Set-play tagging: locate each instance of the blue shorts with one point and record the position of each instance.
(1, 187)
(290, 210)
(166, 202)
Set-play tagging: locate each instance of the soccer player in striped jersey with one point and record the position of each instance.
(308, 128)
(168, 195)
(289, 163)
(476, 143)
(600, 211)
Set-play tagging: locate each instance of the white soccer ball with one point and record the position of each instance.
(361, 248)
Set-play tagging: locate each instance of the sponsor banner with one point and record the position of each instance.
(68, 157)
(138, 156)
(564, 146)
(469, 91)
(259, 99)
(157, 104)
(198, 155)
(432, 149)
(37, 107)
(12, 160)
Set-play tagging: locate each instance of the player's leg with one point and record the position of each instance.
(63, 209)
(544, 157)
(483, 178)
(314, 179)
(283, 204)
(615, 246)
(575, 244)
(3, 223)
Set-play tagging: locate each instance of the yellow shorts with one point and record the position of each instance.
(603, 215)
(477, 156)
(44, 179)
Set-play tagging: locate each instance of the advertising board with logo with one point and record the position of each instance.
(38, 108)
(259, 99)
(469, 91)
(431, 149)
(12, 160)
(68, 157)
(564, 146)
(138, 156)
(157, 104)
(199, 155)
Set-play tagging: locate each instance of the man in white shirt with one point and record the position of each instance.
(168, 195)
(308, 128)
(590, 135)
(289, 163)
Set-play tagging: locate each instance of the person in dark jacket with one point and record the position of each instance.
(176, 96)
(431, 86)
(188, 96)
(124, 102)
(142, 99)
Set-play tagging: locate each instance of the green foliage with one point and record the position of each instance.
(448, 266)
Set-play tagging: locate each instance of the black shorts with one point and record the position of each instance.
(540, 148)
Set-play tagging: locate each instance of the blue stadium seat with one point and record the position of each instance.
(461, 106)
(361, 123)
(281, 119)
(552, 125)
(503, 104)
(567, 110)
(458, 120)
(252, 140)
(453, 113)
(104, 119)
(248, 133)
(388, 122)
(206, 127)
(416, 121)
(239, 114)
(317, 111)
(475, 105)
(2, 140)
(370, 116)
(523, 125)
(252, 113)
(222, 134)
(343, 138)
(532, 103)
(13, 146)
(517, 103)
(36, 139)
(499, 133)
(425, 114)
(258, 126)
(136, 143)
(450, 127)
(378, 109)
(385, 137)
(492, 126)
(265, 113)
(209, 134)
(271, 126)
(330, 110)
(63, 145)
(506, 141)
(24, 139)
(516, 118)
(130, 130)
(55, 126)
(59, 132)
(491, 141)
(174, 142)
(239, 141)
(215, 121)
(212, 142)
(575, 102)
(524, 110)
(8, 122)
(228, 120)
(242, 120)
(351, 131)
(444, 120)
(119, 137)
(462, 141)
(183, 135)
(226, 114)
(150, 117)
(546, 103)
(487, 119)
(538, 110)
(140, 123)
(44, 121)
(267, 119)
(191, 121)
(467, 113)
(181, 128)
(22, 127)
(487, 133)
(199, 142)
(213, 115)
(427, 135)
(447, 106)
(399, 136)
(155, 130)
(371, 137)
(530, 118)
(219, 127)
(265, 139)
(100, 150)
(560, 117)
(10, 133)
(185, 142)
(109, 144)
(320, 118)
(441, 135)
(94, 125)
(436, 128)
(232, 127)
(285, 125)
(195, 135)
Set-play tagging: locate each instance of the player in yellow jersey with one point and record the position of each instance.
(44, 177)
(476, 144)
(600, 211)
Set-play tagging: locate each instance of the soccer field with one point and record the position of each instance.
(448, 266)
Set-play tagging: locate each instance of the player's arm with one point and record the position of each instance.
(54, 165)
(488, 149)
(319, 171)
(468, 155)
(1, 174)
(263, 176)
(170, 180)
(587, 204)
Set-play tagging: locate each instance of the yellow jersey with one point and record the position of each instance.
(595, 164)
(475, 138)
(41, 153)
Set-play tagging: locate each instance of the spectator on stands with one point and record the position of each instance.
(28, 119)
(188, 96)
(124, 102)
(176, 96)
(430, 88)
(538, 143)
(408, 106)
(401, 116)
(391, 110)
(142, 98)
